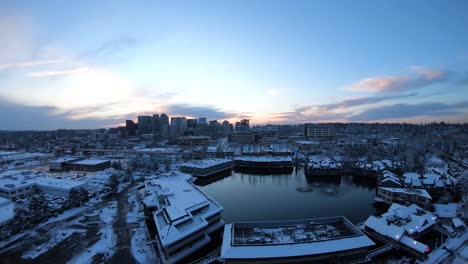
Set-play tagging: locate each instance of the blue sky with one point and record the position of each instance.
(86, 64)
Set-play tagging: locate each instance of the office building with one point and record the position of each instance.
(179, 124)
(242, 137)
(130, 128)
(145, 125)
(319, 131)
(183, 216)
(192, 123)
(156, 125)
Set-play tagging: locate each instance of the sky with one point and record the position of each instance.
(90, 64)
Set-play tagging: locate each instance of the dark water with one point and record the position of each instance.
(251, 197)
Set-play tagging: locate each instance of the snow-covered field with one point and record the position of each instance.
(55, 238)
(141, 251)
(107, 242)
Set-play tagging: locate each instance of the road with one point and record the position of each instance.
(121, 229)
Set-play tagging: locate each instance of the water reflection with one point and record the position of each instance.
(251, 197)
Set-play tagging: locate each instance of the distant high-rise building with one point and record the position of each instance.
(202, 121)
(319, 131)
(225, 126)
(214, 124)
(192, 123)
(144, 125)
(243, 125)
(130, 128)
(179, 124)
(164, 119)
(156, 125)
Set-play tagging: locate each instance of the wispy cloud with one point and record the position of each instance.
(198, 111)
(27, 64)
(421, 77)
(361, 101)
(334, 111)
(16, 116)
(43, 74)
(412, 110)
(110, 47)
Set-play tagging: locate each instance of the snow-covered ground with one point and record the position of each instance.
(141, 250)
(136, 213)
(107, 241)
(55, 238)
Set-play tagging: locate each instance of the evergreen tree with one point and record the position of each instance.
(113, 183)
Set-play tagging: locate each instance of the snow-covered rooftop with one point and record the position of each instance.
(64, 159)
(6, 213)
(309, 237)
(400, 220)
(90, 162)
(58, 183)
(182, 210)
(446, 210)
(205, 163)
(418, 192)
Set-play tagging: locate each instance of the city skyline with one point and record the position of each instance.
(89, 65)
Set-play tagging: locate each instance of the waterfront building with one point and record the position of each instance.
(301, 241)
(264, 162)
(403, 225)
(389, 179)
(319, 131)
(404, 196)
(206, 167)
(180, 217)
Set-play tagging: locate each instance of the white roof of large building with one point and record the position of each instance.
(205, 163)
(58, 183)
(307, 247)
(181, 202)
(64, 159)
(90, 162)
(20, 178)
(446, 210)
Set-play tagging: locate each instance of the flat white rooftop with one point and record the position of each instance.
(291, 238)
(90, 162)
(205, 163)
(65, 159)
